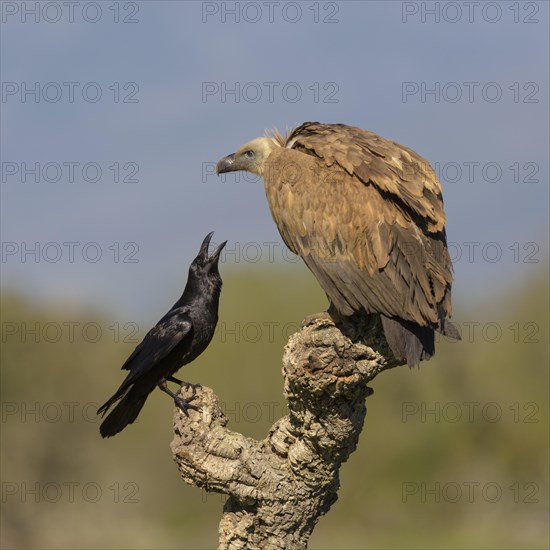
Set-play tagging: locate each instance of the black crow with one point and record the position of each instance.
(177, 339)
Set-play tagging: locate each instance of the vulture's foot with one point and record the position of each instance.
(310, 319)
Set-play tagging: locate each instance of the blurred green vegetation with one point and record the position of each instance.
(453, 455)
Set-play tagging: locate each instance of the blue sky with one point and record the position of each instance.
(468, 91)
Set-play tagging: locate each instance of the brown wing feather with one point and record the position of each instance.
(372, 239)
(398, 172)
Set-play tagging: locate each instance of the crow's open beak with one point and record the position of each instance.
(205, 244)
(226, 164)
(216, 256)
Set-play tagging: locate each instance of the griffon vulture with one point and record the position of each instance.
(366, 216)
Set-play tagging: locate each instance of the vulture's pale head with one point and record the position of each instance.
(251, 157)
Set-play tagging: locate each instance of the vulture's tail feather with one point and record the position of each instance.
(450, 330)
(411, 342)
(408, 341)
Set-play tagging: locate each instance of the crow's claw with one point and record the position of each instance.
(194, 388)
(185, 404)
(183, 384)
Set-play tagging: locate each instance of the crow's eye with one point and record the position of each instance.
(249, 154)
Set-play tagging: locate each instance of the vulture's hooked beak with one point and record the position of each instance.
(226, 164)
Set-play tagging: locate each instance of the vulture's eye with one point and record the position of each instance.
(249, 154)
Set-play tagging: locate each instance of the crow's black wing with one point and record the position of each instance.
(160, 341)
(170, 331)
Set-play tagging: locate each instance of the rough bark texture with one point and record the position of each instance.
(280, 486)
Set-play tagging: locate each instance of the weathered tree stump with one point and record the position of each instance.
(280, 486)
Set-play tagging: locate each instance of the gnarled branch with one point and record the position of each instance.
(280, 486)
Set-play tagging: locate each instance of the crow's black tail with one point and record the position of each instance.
(124, 413)
(412, 343)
